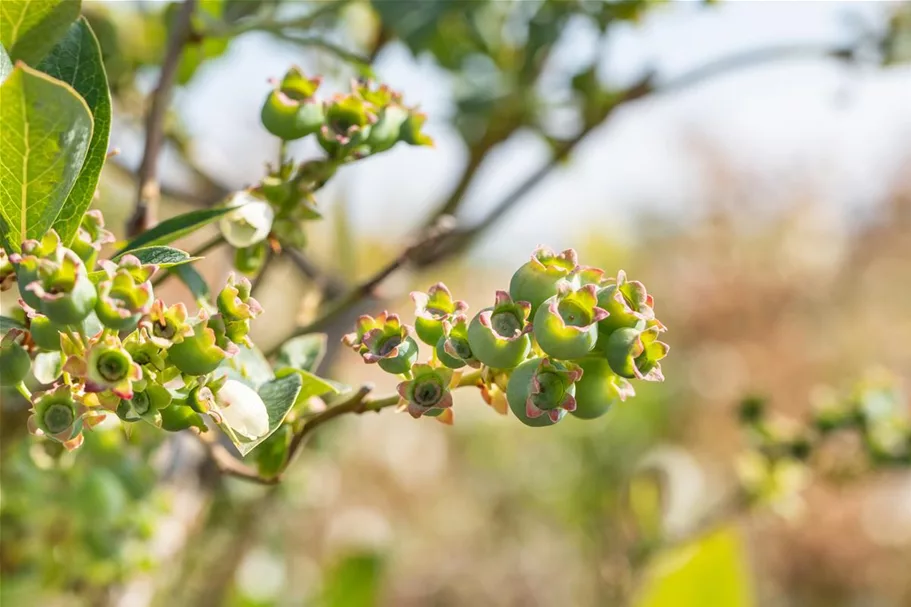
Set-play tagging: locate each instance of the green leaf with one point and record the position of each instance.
(76, 60)
(30, 28)
(248, 366)
(709, 571)
(311, 385)
(304, 352)
(46, 132)
(272, 453)
(176, 227)
(6, 66)
(7, 323)
(163, 257)
(279, 395)
(194, 281)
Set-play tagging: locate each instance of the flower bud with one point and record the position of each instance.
(107, 366)
(539, 278)
(599, 389)
(432, 308)
(122, 302)
(290, 112)
(632, 353)
(541, 391)
(389, 345)
(498, 335)
(14, 359)
(249, 223)
(200, 353)
(453, 348)
(242, 409)
(428, 390)
(566, 325)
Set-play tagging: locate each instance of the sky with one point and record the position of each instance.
(842, 131)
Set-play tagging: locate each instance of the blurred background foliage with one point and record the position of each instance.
(767, 291)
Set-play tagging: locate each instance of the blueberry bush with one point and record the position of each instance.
(94, 339)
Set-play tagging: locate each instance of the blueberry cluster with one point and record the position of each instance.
(95, 337)
(563, 339)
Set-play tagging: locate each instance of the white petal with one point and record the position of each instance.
(250, 223)
(242, 409)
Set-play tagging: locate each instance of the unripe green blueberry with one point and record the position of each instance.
(387, 344)
(122, 301)
(566, 325)
(445, 358)
(45, 333)
(599, 389)
(498, 335)
(428, 391)
(538, 279)
(289, 111)
(632, 353)
(177, 416)
(541, 391)
(55, 414)
(627, 303)
(198, 353)
(432, 309)
(14, 359)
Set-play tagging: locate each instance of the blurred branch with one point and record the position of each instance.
(324, 45)
(229, 465)
(331, 286)
(267, 22)
(339, 306)
(147, 193)
(460, 239)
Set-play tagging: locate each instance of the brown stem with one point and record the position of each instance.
(148, 193)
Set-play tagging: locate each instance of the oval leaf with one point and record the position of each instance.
(29, 28)
(176, 227)
(163, 257)
(76, 60)
(304, 352)
(47, 128)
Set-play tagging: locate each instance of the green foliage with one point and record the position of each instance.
(29, 29)
(708, 571)
(76, 60)
(174, 228)
(47, 130)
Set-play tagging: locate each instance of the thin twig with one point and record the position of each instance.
(339, 306)
(148, 194)
(261, 275)
(331, 286)
(229, 465)
(461, 239)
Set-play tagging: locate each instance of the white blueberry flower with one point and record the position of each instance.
(242, 409)
(249, 223)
